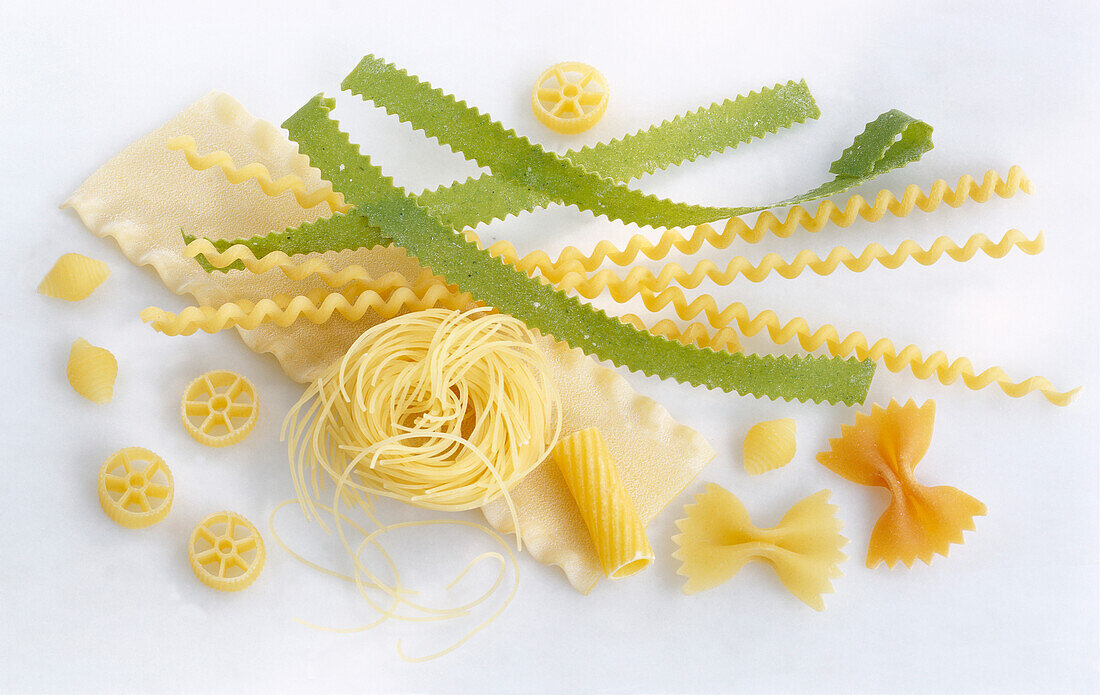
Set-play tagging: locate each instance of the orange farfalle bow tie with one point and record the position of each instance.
(717, 539)
(882, 449)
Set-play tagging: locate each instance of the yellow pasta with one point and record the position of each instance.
(440, 409)
(797, 217)
(605, 506)
(655, 456)
(388, 296)
(260, 174)
(767, 223)
(769, 445)
(92, 371)
(573, 275)
(135, 487)
(936, 364)
(73, 277)
(226, 552)
(318, 306)
(910, 357)
(219, 408)
(717, 539)
(569, 98)
(568, 277)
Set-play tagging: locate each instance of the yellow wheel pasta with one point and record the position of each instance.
(135, 487)
(226, 552)
(219, 408)
(570, 98)
(605, 506)
(92, 371)
(769, 445)
(73, 277)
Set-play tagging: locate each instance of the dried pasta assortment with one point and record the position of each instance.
(717, 538)
(453, 374)
(882, 449)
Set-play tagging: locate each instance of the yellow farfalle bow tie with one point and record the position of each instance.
(717, 538)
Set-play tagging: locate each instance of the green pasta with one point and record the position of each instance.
(476, 201)
(891, 140)
(542, 307)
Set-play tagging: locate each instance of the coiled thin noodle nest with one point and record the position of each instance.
(441, 409)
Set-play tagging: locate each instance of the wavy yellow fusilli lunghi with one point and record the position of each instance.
(571, 276)
(827, 212)
(909, 357)
(767, 223)
(235, 174)
(318, 305)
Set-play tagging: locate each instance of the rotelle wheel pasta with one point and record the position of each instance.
(570, 98)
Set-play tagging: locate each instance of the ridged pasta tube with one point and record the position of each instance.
(605, 506)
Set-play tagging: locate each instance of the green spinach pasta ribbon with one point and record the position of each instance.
(891, 140)
(543, 308)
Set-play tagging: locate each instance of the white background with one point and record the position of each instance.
(88, 605)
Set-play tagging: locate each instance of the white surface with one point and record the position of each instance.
(87, 605)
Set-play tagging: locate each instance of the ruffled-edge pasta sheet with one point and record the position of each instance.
(147, 193)
(656, 457)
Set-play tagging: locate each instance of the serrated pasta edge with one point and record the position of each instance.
(910, 357)
(797, 217)
(572, 276)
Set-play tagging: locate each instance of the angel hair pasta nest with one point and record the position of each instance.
(441, 409)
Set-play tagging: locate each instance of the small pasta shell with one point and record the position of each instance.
(92, 371)
(769, 445)
(73, 277)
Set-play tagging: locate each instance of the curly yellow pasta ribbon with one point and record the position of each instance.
(259, 173)
(319, 306)
(571, 274)
(767, 223)
(909, 357)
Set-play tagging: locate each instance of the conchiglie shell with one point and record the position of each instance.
(769, 445)
(92, 371)
(73, 277)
